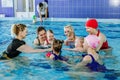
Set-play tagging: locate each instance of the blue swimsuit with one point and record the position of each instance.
(95, 66)
(58, 57)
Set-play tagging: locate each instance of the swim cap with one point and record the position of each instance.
(92, 23)
(92, 41)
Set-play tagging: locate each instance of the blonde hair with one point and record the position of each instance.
(69, 27)
(71, 30)
(16, 28)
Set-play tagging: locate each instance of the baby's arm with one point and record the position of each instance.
(80, 49)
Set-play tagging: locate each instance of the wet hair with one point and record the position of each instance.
(40, 28)
(50, 31)
(40, 4)
(57, 45)
(16, 28)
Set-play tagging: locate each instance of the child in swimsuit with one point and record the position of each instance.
(55, 54)
(78, 45)
(91, 60)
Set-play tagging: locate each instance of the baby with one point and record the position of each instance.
(91, 60)
(78, 45)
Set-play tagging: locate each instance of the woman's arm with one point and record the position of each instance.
(40, 17)
(75, 49)
(71, 49)
(46, 12)
(28, 49)
(39, 12)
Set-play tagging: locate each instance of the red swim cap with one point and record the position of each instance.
(92, 23)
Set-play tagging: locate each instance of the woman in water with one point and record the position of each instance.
(18, 45)
(69, 32)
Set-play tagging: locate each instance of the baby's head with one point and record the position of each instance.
(92, 41)
(50, 35)
(79, 42)
(57, 45)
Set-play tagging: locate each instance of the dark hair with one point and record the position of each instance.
(57, 45)
(50, 31)
(40, 4)
(40, 28)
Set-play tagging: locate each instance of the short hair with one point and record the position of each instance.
(40, 4)
(40, 28)
(50, 31)
(57, 45)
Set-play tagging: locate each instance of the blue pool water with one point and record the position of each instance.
(37, 67)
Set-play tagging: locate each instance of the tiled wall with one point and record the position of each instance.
(8, 11)
(83, 9)
(75, 9)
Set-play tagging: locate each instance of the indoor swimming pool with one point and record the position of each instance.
(37, 67)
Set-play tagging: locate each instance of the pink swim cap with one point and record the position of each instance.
(92, 41)
(92, 23)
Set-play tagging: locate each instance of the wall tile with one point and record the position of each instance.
(74, 9)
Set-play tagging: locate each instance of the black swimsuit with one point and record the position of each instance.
(12, 51)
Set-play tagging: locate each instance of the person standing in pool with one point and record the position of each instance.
(91, 26)
(18, 45)
(42, 9)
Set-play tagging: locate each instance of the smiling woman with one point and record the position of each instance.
(18, 45)
(41, 37)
